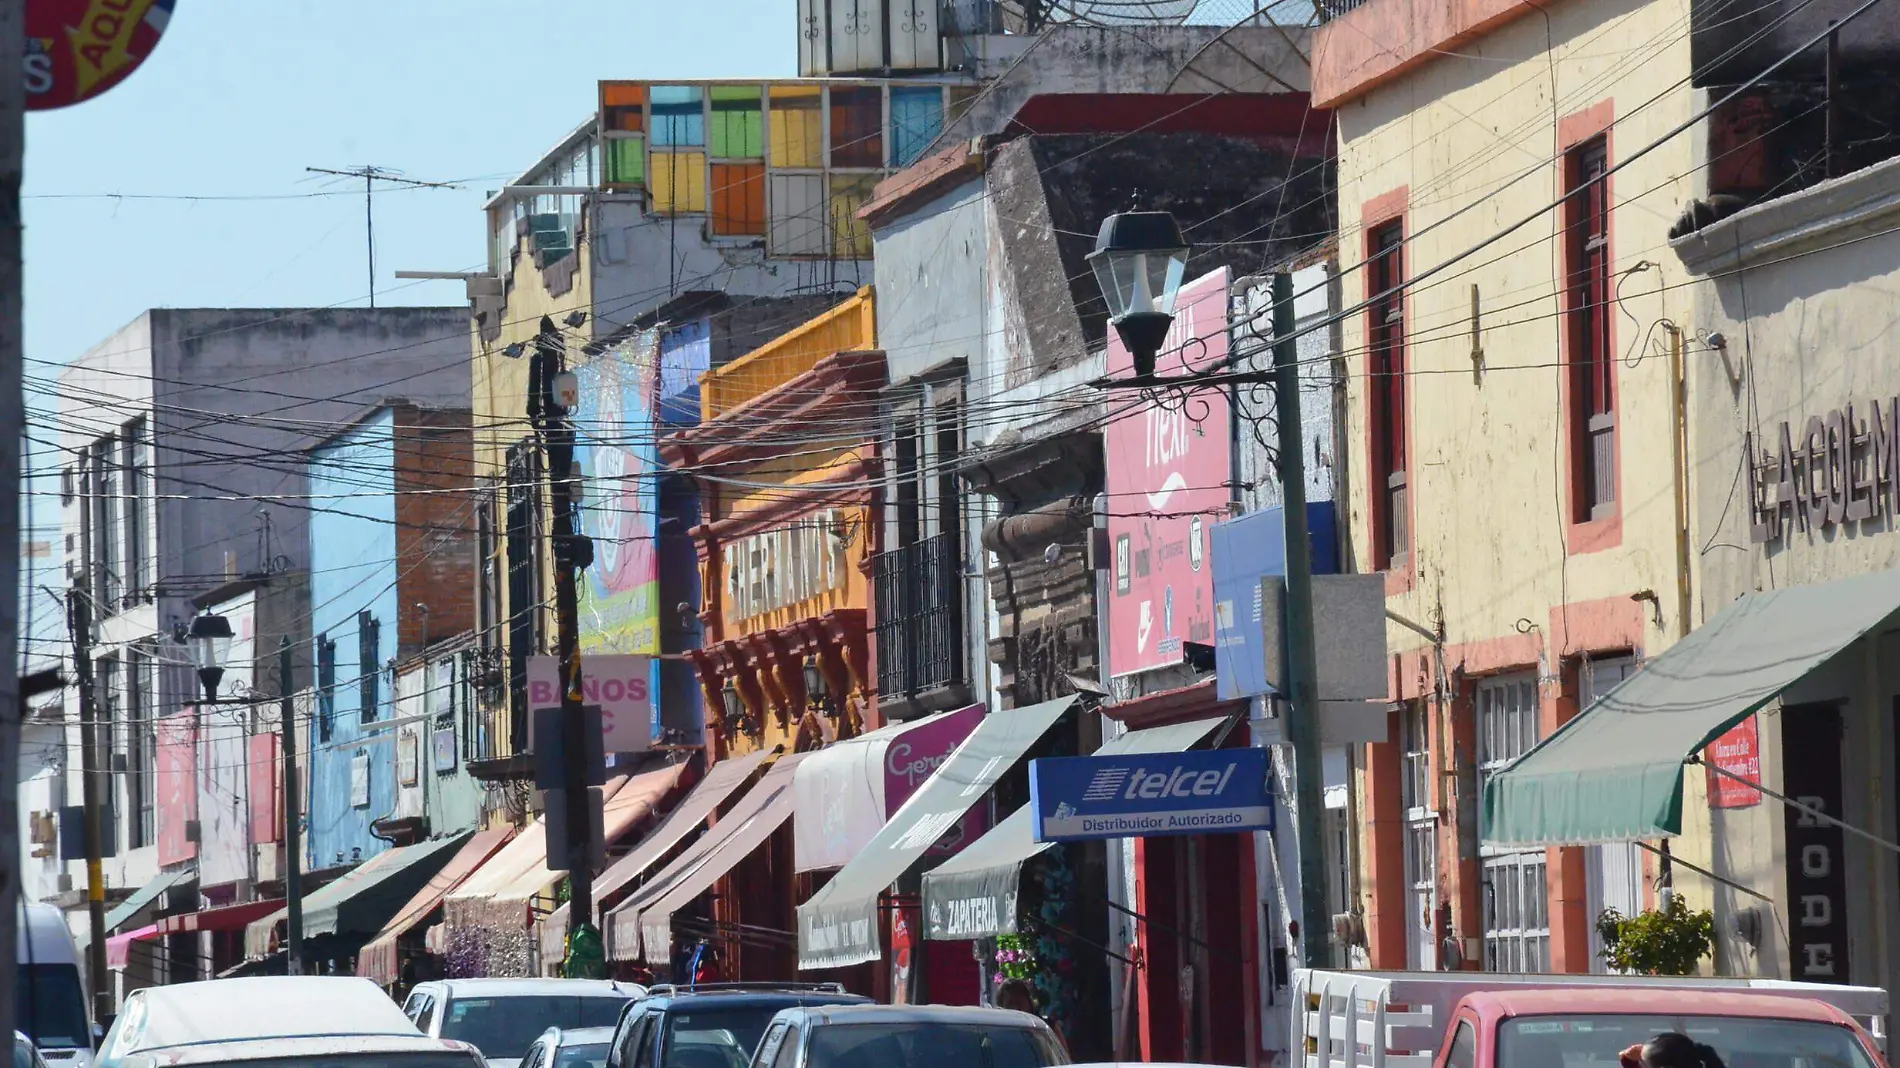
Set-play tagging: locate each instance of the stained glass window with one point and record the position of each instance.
(916, 120)
(738, 126)
(623, 106)
(678, 182)
(626, 160)
(857, 127)
(850, 235)
(798, 222)
(679, 116)
(738, 198)
(798, 125)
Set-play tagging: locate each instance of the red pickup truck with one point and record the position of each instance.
(1478, 1020)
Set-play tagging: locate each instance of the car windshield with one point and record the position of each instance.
(585, 1055)
(504, 1027)
(928, 1045)
(50, 1008)
(723, 1038)
(444, 1059)
(1588, 1041)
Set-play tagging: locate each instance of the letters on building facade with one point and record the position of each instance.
(781, 568)
(1838, 468)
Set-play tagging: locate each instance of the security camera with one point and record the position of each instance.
(1052, 553)
(1718, 340)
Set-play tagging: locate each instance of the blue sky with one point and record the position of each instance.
(241, 95)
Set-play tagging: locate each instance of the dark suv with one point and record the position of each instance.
(713, 1025)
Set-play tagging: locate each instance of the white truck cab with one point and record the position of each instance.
(50, 1003)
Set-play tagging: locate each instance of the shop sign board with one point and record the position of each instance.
(620, 683)
(1737, 752)
(1832, 470)
(1817, 850)
(77, 49)
(1145, 795)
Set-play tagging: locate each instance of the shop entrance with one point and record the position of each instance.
(1196, 940)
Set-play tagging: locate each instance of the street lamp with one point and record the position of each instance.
(816, 691)
(1139, 259)
(210, 641)
(735, 706)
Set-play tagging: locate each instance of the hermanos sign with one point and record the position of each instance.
(1838, 468)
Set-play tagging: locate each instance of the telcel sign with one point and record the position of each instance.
(1141, 796)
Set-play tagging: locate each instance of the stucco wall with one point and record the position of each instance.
(935, 258)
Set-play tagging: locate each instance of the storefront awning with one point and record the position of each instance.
(1614, 773)
(358, 904)
(119, 946)
(839, 926)
(641, 926)
(725, 778)
(225, 918)
(847, 790)
(973, 894)
(122, 913)
(379, 960)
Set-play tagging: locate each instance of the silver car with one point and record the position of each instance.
(573, 1047)
(504, 1017)
(907, 1036)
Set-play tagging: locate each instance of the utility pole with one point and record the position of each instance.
(1303, 660)
(79, 623)
(572, 552)
(370, 176)
(293, 818)
(12, 414)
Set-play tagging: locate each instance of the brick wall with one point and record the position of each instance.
(436, 535)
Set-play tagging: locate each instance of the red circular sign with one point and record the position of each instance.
(77, 49)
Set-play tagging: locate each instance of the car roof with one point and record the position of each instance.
(740, 999)
(1651, 1001)
(295, 1047)
(498, 988)
(259, 1007)
(580, 1036)
(957, 1014)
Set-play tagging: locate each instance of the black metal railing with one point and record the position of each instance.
(919, 590)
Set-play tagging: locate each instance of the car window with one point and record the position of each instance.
(444, 1059)
(582, 1055)
(504, 1027)
(639, 1049)
(722, 1038)
(787, 1053)
(49, 1006)
(1464, 1047)
(425, 1013)
(768, 1046)
(600, 1012)
(925, 1045)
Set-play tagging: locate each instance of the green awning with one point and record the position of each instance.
(1614, 773)
(362, 901)
(122, 913)
(973, 894)
(840, 926)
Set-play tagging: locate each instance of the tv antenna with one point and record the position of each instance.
(370, 176)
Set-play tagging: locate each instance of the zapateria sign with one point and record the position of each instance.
(1140, 796)
(1838, 468)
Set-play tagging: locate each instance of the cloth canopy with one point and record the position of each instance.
(1614, 773)
(379, 959)
(124, 911)
(359, 903)
(224, 918)
(839, 926)
(119, 946)
(973, 894)
(847, 790)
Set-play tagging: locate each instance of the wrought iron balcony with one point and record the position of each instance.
(919, 590)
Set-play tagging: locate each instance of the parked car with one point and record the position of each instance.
(710, 1026)
(907, 1036)
(573, 1047)
(160, 1020)
(358, 1051)
(50, 1005)
(503, 1017)
(24, 1055)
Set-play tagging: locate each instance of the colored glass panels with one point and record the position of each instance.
(738, 122)
(679, 115)
(798, 126)
(738, 199)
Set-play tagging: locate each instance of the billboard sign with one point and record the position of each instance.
(1168, 469)
(77, 49)
(621, 685)
(1244, 550)
(617, 447)
(1145, 795)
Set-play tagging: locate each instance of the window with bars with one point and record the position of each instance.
(141, 745)
(1415, 787)
(109, 696)
(368, 664)
(1592, 364)
(1517, 905)
(326, 687)
(133, 488)
(1387, 391)
(1421, 834)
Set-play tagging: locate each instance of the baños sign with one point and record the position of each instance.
(1838, 468)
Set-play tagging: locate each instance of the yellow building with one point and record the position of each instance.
(1513, 425)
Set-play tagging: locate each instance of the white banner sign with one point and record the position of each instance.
(621, 684)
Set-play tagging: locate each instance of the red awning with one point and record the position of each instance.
(378, 959)
(227, 918)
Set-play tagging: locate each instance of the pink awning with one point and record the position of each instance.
(119, 946)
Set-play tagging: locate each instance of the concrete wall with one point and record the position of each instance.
(353, 568)
(935, 258)
(1518, 585)
(1799, 290)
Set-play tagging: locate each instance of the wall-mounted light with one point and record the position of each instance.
(1139, 259)
(817, 690)
(736, 716)
(514, 351)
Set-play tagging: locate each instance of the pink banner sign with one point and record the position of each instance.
(1168, 472)
(177, 767)
(622, 685)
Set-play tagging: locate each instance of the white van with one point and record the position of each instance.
(50, 1004)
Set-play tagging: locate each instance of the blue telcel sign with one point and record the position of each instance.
(1143, 795)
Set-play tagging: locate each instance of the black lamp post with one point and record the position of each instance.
(735, 707)
(1139, 259)
(816, 689)
(210, 640)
